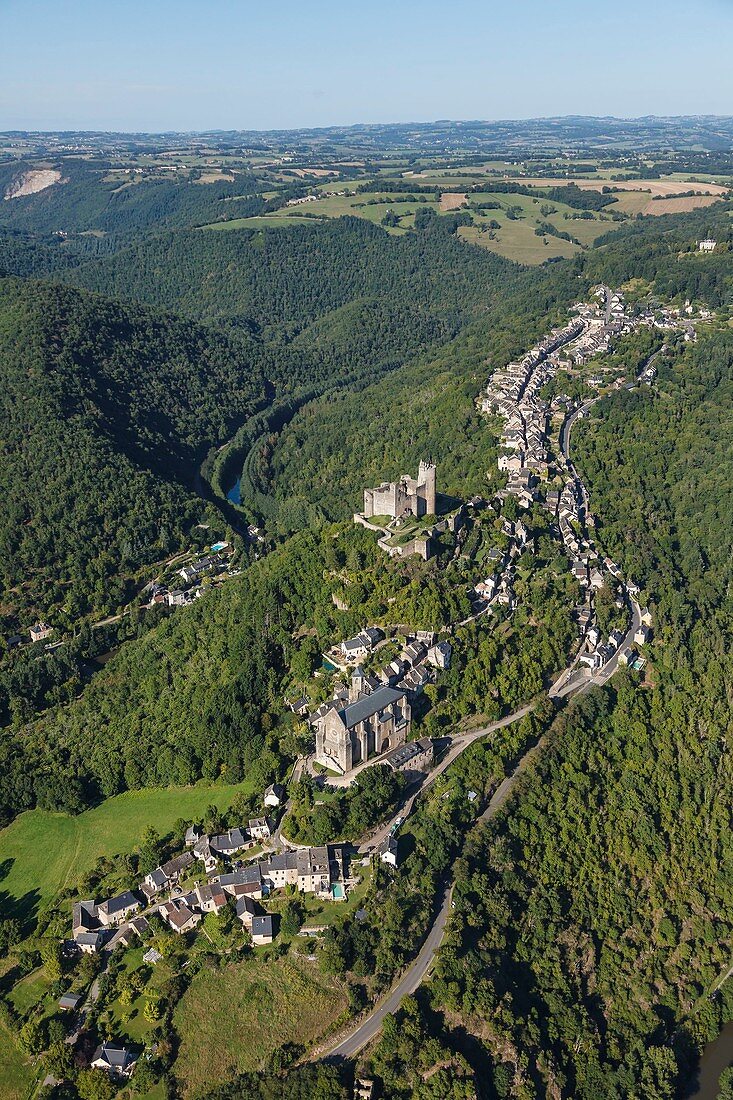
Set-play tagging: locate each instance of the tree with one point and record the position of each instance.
(150, 850)
(153, 1010)
(32, 1037)
(291, 918)
(59, 1061)
(11, 933)
(51, 957)
(94, 1084)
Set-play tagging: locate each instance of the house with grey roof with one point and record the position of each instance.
(275, 792)
(412, 757)
(210, 898)
(261, 930)
(89, 942)
(116, 1061)
(246, 910)
(259, 828)
(228, 843)
(84, 917)
(180, 918)
(387, 850)
(116, 910)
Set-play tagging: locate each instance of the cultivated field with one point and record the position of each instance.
(449, 200)
(679, 206)
(652, 187)
(41, 852)
(231, 1020)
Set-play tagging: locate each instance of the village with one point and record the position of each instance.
(368, 718)
(535, 450)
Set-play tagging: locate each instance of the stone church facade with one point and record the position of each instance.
(369, 724)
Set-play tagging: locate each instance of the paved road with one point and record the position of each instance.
(459, 745)
(407, 984)
(416, 972)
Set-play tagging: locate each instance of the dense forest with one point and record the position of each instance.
(104, 412)
(291, 277)
(144, 396)
(88, 198)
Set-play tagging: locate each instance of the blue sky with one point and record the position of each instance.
(222, 64)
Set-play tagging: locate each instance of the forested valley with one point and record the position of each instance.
(592, 918)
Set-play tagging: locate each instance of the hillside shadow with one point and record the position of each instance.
(24, 909)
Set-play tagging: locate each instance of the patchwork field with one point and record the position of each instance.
(518, 216)
(231, 1020)
(40, 852)
(653, 187)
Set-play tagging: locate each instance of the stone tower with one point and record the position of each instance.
(426, 486)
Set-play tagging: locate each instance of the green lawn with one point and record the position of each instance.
(262, 223)
(318, 911)
(41, 852)
(230, 1020)
(29, 990)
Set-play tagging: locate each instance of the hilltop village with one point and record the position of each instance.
(377, 678)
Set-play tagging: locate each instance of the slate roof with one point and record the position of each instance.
(262, 926)
(125, 900)
(370, 704)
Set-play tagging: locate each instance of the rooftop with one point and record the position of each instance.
(370, 704)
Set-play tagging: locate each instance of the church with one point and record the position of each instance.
(366, 723)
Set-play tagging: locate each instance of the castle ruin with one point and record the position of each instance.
(408, 496)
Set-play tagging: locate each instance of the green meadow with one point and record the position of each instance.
(515, 239)
(41, 852)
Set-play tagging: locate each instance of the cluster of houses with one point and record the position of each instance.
(371, 716)
(498, 586)
(513, 394)
(598, 653)
(118, 920)
(192, 575)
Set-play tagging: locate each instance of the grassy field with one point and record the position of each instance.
(335, 206)
(231, 1020)
(261, 223)
(40, 852)
(517, 241)
(16, 1074)
(29, 990)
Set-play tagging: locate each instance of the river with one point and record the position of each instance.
(716, 1057)
(234, 494)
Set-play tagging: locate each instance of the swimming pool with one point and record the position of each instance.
(338, 892)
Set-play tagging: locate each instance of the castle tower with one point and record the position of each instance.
(426, 486)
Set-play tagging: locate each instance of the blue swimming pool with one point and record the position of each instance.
(337, 892)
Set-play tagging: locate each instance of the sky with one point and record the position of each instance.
(154, 65)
